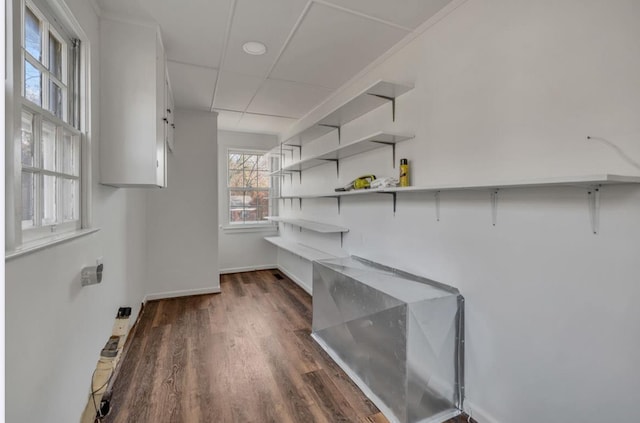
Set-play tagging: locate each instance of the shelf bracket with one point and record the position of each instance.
(393, 104)
(593, 196)
(300, 203)
(394, 200)
(338, 198)
(341, 239)
(494, 207)
(299, 172)
(338, 127)
(437, 198)
(299, 147)
(337, 162)
(393, 150)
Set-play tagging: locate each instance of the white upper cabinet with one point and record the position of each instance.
(133, 105)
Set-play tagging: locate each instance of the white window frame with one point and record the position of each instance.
(18, 240)
(251, 224)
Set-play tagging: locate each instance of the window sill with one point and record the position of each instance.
(242, 229)
(41, 244)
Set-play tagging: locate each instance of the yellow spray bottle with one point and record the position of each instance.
(404, 173)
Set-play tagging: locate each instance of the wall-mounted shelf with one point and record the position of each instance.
(299, 250)
(591, 183)
(310, 225)
(362, 145)
(376, 95)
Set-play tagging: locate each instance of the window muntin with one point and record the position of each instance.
(248, 184)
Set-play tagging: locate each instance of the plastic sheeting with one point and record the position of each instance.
(397, 335)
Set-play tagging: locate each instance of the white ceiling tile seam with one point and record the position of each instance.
(225, 45)
(363, 15)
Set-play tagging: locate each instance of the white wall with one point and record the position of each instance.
(182, 219)
(54, 328)
(242, 249)
(509, 90)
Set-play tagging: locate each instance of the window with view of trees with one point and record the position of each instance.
(248, 187)
(50, 142)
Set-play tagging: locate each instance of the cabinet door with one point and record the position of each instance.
(171, 126)
(161, 119)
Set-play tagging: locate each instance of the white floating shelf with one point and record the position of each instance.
(368, 143)
(381, 92)
(310, 225)
(585, 181)
(300, 250)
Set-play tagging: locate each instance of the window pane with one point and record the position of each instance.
(49, 199)
(32, 34)
(250, 178)
(235, 161)
(263, 162)
(28, 200)
(55, 99)
(48, 146)
(70, 193)
(27, 139)
(263, 179)
(55, 56)
(237, 206)
(71, 153)
(32, 83)
(236, 179)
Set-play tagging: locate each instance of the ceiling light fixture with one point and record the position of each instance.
(255, 48)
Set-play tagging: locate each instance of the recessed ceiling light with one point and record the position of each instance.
(255, 48)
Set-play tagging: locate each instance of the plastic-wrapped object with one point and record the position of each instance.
(397, 335)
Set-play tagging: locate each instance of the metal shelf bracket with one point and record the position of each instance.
(437, 203)
(593, 197)
(338, 127)
(394, 200)
(494, 207)
(393, 150)
(393, 104)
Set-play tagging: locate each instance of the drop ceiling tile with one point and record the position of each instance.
(192, 86)
(192, 31)
(289, 99)
(407, 13)
(263, 124)
(269, 22)
(228, 121)
(331, 46)
(235, 90)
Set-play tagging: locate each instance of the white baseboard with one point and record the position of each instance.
(297, 280)
(184, 293)
(477, 413)
(248, 269)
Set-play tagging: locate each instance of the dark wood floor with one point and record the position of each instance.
(241, 356)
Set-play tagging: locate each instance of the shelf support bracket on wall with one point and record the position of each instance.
(338, 127)
(337, 162)
(393, 104)
(394, 200)
(299, 172)
(300, 203)
(494, 207)
(594, 208)
(437, 199)
(393, 150)
(341, 239)
(299, 147)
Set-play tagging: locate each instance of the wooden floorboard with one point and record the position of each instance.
(241, 356)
